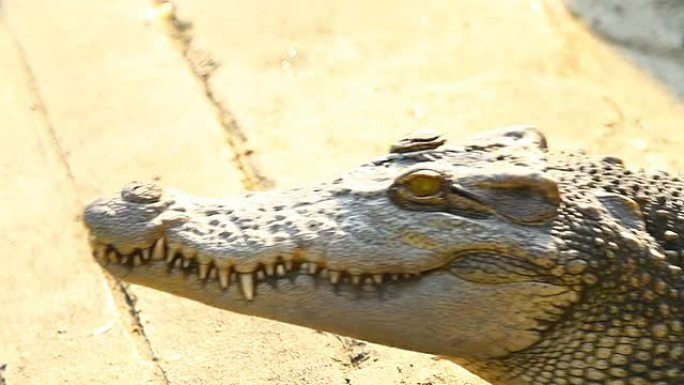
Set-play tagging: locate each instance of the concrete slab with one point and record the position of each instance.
(338, 80)
(59, 322)
(121, 98)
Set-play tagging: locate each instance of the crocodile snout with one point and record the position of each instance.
(133, 220)
(256, 238)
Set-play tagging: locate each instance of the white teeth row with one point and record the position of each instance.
(208, 271)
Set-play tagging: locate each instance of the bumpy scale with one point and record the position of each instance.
(528, 267)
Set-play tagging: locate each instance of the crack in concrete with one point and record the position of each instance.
(39, 106)
(202, 65)
(138, 327)
(611, 127)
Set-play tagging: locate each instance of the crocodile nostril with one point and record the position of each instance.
(141, 192)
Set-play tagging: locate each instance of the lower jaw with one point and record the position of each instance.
(160, 262)
(300, 278)
(377, 313)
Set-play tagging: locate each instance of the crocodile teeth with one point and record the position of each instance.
(171, 255)
(114, 257)
(356, 279)
(334, 277)
(99, 251)
(377, 278)
(395, 277)
(224, 277)
(137, 260)
(308, 267)
(203, 270)
(146, 254)
(269, 269)
(186, 263)
(247, 285)
(158, 252)
(288, 265)
(280, 270)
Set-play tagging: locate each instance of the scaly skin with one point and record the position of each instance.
(527, 267)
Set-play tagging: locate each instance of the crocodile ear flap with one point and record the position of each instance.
(524, 196)
(418, 141)
(623, 209)
(523, 136)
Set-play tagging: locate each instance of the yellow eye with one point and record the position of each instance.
(424, 184)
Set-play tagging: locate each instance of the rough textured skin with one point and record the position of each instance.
(525, 266)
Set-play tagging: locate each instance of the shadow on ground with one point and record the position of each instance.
(648, 33)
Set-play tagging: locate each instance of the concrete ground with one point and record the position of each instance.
(215, 97)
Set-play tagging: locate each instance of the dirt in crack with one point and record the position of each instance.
(202, 66)
(122, 293)
(357, 351)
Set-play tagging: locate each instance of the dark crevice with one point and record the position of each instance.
(131, 299)
(202, 66)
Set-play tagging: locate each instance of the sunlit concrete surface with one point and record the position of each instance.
(215, 97)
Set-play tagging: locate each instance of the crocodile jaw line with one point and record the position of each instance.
(352, 273)
(162, 262)
(362, 307)
(296, 292)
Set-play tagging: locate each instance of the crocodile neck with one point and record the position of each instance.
(609, 339)
(660, 196)
(628, 326)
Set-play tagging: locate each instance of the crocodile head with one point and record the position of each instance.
(456, 251)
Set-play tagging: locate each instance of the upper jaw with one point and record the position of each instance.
(131, 221)
(266, 234)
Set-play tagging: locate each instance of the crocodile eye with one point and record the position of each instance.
(422, 183)
(423, 186)
(430, 190)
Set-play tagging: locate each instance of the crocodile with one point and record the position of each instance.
(523, 265)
